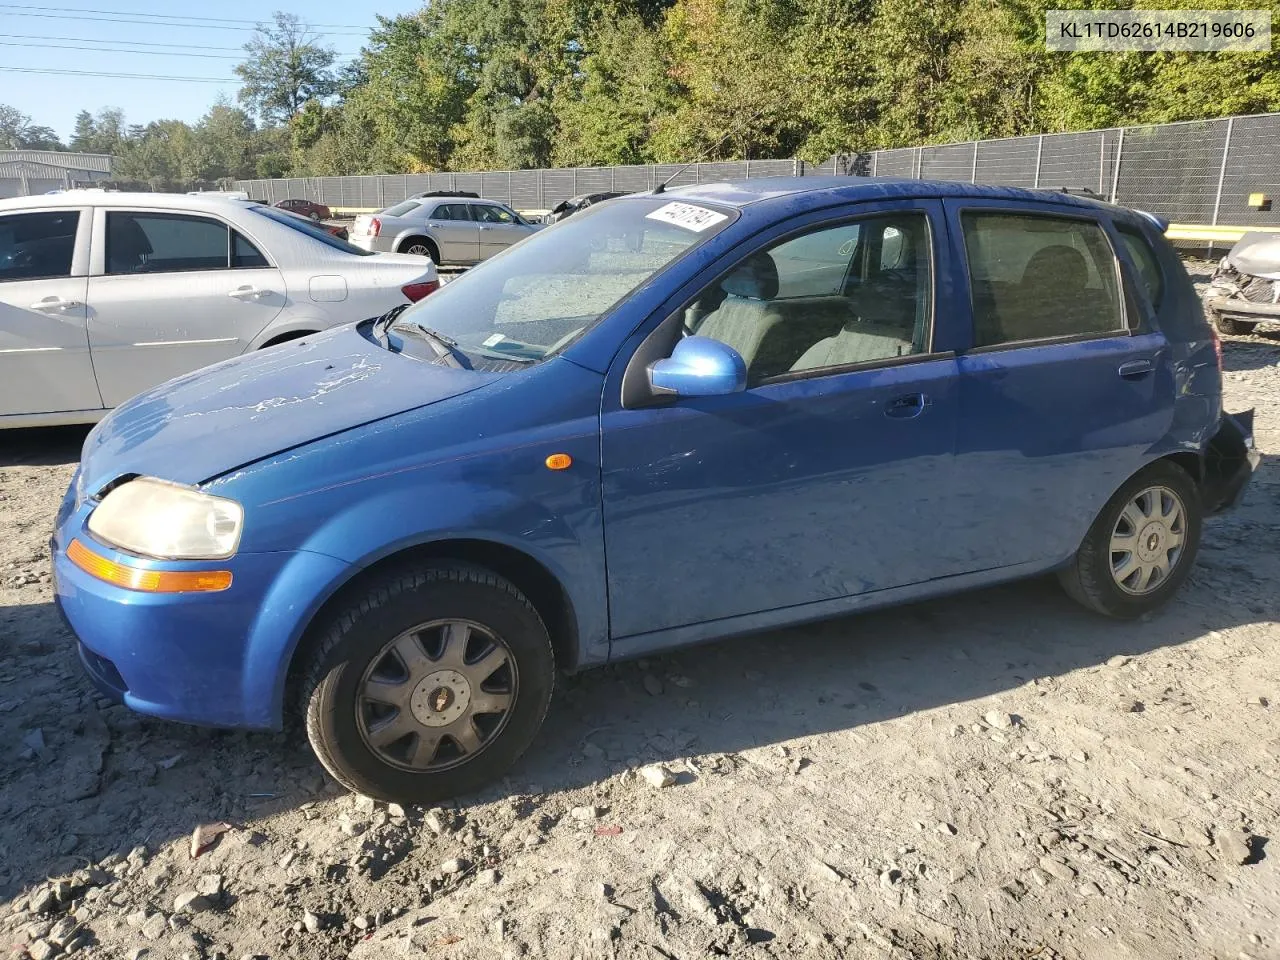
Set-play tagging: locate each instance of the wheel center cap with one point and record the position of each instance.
(440, 698)
(1151, 541)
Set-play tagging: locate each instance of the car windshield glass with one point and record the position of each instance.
(291, 221)
(537, 297)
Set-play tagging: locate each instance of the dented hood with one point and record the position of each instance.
(203, 424)
(1257, 254)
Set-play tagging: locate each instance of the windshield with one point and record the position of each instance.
(293, 222)
(540, 295)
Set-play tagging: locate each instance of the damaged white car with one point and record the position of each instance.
(1245, 288)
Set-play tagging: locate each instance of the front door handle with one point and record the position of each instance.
(54, 305)
(906, 407)
(1136, 369)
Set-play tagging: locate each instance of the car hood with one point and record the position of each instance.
(1257, 254)
(233, 413)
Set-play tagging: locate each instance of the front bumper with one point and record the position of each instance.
(1240, 307)
(213, 659)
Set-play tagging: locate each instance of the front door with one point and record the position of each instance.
(45, 365)
(499, 228)
(456, 233)
(1063, 392)
(830, 475)
(174, 293)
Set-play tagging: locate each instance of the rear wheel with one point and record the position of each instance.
(1141, 547)
(429, 685)
(421, 247)
(313, 215)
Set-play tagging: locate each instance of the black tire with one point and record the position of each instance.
(313, 215)
(1088, 578)
(432, 250)
(357, 636)
(1233, 327)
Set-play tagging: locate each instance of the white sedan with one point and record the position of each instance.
(105, 295)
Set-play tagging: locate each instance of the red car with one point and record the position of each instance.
(305, 208)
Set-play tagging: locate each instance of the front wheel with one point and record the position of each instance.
(1141, 547)
(428, 685)
(1233, 327)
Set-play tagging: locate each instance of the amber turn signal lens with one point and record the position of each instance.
(559, 461)
(147, 581)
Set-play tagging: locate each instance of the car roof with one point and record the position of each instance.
(154, 201)
(820, 191)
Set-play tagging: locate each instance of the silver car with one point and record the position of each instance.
(105, 295)
(450, 230)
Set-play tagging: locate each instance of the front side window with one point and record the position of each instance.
(1037, 277)
(487, 213)
(36, 246)
(537, 297)
(854, 293)
(164, 243)
(451, 211)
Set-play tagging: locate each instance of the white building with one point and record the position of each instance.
(29, 172)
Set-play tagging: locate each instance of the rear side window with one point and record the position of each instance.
(1144, 259)
(1039, 277)
(164, 243)
(244, 254)
(451, 211)
(35, 246)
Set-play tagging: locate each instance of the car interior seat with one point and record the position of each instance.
(127, 246)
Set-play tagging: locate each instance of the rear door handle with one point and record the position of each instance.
(906, 407)
(247, 293)
(53, 305)
(1136, 369)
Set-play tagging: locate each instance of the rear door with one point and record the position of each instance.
(456, 233)
(1064, 388)
(499, 228)
(170, 293)
(45, 365)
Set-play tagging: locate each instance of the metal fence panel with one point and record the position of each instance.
(634, 178)
(895, 163)
(525, 190)
(1190, 172)
(951, 162)
(1173, 170)
(1010, 163)
(1250, 167)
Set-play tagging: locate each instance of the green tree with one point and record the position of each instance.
(609, 111)
(17, 132)
(285, 67)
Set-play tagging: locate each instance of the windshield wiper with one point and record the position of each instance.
(445, 347)
(380, 325)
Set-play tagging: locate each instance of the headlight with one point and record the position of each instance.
(168, 521)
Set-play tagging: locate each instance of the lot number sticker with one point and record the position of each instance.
(688, 216)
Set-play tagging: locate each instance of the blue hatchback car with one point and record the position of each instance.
(672, 417)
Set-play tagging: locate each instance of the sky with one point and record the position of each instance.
(149, 37)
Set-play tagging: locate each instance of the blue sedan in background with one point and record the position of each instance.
(673, 417)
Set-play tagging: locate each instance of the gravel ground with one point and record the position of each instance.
(994, 775)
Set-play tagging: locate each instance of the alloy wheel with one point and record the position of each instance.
(436, 695)
(1148, 540)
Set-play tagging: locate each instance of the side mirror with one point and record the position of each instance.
(699, 367)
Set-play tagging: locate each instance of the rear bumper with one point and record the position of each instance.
(1229, 462)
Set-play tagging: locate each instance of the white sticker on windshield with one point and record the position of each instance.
(687, 215)
(493, 341)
